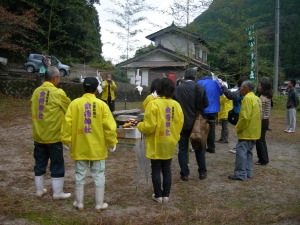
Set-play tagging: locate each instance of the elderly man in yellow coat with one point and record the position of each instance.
(48, 107)
(90, 129)
(248, 130)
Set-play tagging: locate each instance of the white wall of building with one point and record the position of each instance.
(176, 43)
(179, 43)
(131, 75)
(145, 80)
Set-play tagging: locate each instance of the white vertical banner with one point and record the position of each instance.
(251, 42)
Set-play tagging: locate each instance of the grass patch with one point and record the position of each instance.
(129, 105)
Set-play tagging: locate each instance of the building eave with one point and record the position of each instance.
(176, 29)
(182, 61)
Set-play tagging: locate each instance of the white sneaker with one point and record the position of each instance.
(159, 199)
(290, 131)
(233, 151)
(165, 199)
(286, 130)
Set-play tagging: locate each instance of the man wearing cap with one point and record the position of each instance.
(89, 128)
(48, 106)
(108, 94)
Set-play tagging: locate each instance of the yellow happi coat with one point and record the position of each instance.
(104, 94)
(225, 106)
(163, 121)
(89, 126)
(249, 123)
(48, 107)
(148, 99)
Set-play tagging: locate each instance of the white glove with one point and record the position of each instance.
(112, 148)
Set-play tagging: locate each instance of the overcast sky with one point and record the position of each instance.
(110, 41)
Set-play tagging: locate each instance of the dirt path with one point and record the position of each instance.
(270, 197)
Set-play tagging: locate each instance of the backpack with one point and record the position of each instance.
(233, 117)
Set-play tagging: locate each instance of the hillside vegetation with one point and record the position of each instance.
(223, 26)
(68, 29)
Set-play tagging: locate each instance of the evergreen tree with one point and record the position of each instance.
(219, 23)
(14, 27)
(69, 30)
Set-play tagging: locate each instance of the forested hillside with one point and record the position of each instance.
(68, 29)
(223, 26)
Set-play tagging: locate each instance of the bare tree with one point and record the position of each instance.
(183, 10)
(128, 16)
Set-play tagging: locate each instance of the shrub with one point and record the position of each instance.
(279, 99)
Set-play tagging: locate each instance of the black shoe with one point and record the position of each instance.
(260, 164)
(234, 178)
(184, 178)
(211, 150)
(202, 176)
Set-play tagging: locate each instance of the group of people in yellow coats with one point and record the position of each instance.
(86, 126)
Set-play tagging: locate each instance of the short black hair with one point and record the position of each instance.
(153, 85)
(165, 88)
(293, 82)
(190, 74)
(90, 84)
(241, 80)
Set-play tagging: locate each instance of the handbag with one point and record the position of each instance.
(233, 117)
(196, 133)
(200, 129)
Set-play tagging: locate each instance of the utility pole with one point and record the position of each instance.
(276, 52)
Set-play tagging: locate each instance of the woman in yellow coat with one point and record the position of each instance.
(162, 124)
(153, 93)
(225, 106)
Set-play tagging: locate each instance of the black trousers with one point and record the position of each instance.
(183, 154)
(212, 117)
(42, 154)
(110, 103)
(261, 145)
(161, 166)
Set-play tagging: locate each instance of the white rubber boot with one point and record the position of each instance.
(39, 184)
(79, 194)
(57, 186)
(99, 196)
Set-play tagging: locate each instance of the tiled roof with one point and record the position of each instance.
(176, 29)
